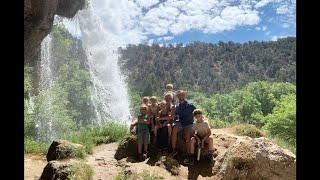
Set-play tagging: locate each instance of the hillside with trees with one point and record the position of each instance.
(207, 67)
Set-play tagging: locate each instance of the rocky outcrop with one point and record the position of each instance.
(237, 157)
(257, 158)
(126, 148)
(64, 162)
(38, 21)
(62, 149)
(66, 170)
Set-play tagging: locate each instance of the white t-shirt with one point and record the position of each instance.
(201, 128)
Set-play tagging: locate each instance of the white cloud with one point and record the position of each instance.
(146, 3)
(283, 9)
(264, 28)
(285, 25)
(268, 33)
(133, 21)
(275, 38)
(262, 3)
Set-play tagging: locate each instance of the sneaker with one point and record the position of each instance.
(144, 156)
(173, 153)
(186, 161)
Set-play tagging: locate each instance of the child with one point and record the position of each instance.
(143, 134)
(169, 89)
(201, 135)
(171, 109)
(146, 101)
(153, 112)
(163, 120)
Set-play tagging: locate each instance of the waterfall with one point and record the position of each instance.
(46, 82)
(109, 93)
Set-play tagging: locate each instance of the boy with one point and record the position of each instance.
(143, 135)
(153, 112)
(169, 89)
(201, 135)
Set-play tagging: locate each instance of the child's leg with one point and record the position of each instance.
(169, 132)
(140, 142)
(210, 142)
(146, 141)
(192, 145)
(156, 130)
(140, 148)
(152, 124)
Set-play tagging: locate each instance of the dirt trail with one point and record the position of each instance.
(33, 166)
(106, 167)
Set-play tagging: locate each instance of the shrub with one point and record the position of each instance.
(282, 122)
(81, 171)
(32, 146)
(247, 130)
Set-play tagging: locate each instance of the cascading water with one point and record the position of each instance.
(109, 93)
(46, 82)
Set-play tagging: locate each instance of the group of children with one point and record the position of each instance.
(155, 115)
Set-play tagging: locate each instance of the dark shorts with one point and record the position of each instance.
(143, 137)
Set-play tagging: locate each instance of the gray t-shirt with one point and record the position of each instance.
(201, 128)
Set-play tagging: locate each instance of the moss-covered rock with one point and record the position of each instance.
(62, 149)
(67, 169)
(257, 158)
(127, 147)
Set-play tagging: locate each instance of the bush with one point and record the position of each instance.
(215, 123)
(282, 122)
(247, 130)
(32, 146)
(81, 171)
(129, 175)
(94, 135)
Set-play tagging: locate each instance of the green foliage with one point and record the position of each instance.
(247, 130)
(81, 171)
(145, 175)
(135, 102)
(51, 109)
(284, 144)
(207, 67)
(93, 135)
(27, 80)
(32, 146)
(282, 122)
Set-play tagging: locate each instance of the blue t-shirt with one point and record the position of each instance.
(184, 112)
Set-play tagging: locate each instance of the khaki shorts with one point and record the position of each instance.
(187, 130)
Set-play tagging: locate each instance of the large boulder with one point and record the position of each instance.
(127, 148)
(62, 149)
(257, 158)
(66, 169)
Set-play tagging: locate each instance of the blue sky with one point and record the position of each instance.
(184, 21)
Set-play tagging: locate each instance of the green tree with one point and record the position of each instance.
(282, 122)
